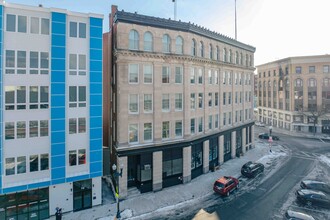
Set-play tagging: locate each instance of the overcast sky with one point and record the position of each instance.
(277, 28)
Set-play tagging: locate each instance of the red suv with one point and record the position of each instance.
(225, 185)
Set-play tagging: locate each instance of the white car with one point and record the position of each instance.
(297, 215)
(259, 124)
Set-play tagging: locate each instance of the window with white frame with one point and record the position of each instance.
(210, 122)
(166, 43)
(21, 97)
(216, 77)
(11, 23)
(39, 25)
(178, 74)
(179, 45)
(21, 129)
(224, 118)
(178, 101)
(133, 103)
(147, 132)
(10, 62)
(192, 101)
(229, 98)
(192, 76)
(10, 166)
(224, 78)
(77, 64)
(216, 99)
(166, 102)
(34, 129)
(240, 115)
(133, 133)
(178, 128)
(193, 47)
(21, 164)
(240, 78)
(229, 118)
(216, 121)
(165, 74)
(200, 124)
(77, 157)
(200, 100)
(166, 130)
(147, 103)
(192, 126)
(240, 97)
(148, 41)
(133, 73)
(44, 162)
(147, 74)
(210, 99)
(77, 29)
(325, 68)
(236, 79)
(77, 125)
(16, 23)
(9, 130)
(236, 99)
(39, 62)
(200, 76)
(77, 96)
(133, 39)
(229, 75)
(210, 77)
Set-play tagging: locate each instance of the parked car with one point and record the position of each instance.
(225, 185)
(313, 197)
(259, 124)
(315, 185)
(266, 136)
(252, 169)
(293, 215)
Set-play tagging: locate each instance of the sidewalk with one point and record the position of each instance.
(146, 205)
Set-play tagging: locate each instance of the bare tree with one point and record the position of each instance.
(313, 114)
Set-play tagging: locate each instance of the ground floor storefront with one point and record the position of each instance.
(41, 203)
(157, 167)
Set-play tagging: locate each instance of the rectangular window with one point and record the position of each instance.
(34, 163)
(10, 97)
(216, 99)
(82, 64)
(72, 157)
(210, 121)
(21, 164)
(216, 77)
(34, 97)
(43, 128)
(216, 121)
(73, 96)
(178, 101)
(34, 62)
(229, 118)
(147, 74)
(9, 130)
(45, 26)
(210, 77)
(311, 69)
(236, 116)
(11, 23)
(10, 166)
(34, 130)
(133, 133)
(72, 126)
(166, 102)
(298, 69)
(210, 99)
(147, 103)
(147, 134)
(81, 156)
(240, 97)
(326, 69)
(34, 28)
(224, 98)
(82, 30)
(82, 125)
(200, 100)
(200, 124)
(192, 76)
(229, 98)
(224, 80)
(165, 74)
(178, 129)
(73, 64)
(73, 29)
(200, 76)
(133, 75)
(224, 118)
(133, 103)
(192, 101)
(10, 62)
(21, 62)
(166, 130)
(178, 75)
(21, 97)
(236, 79)
(21, 129)
(236, 97)
(82, 96)
(44, 97)
(192, 126)
(44, 162)
(22, 23)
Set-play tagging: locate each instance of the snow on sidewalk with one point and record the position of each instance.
(183, 194)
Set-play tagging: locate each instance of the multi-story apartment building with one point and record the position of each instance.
(50, 111)
(181, 99)
(294, 92)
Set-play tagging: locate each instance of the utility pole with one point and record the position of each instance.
(174, 9)
(235, 22)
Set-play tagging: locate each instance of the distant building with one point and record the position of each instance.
(292, 90)
(180, 101)
(51, 111)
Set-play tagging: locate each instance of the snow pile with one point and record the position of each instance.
(266, 159)
(325, 159)
(127, 213)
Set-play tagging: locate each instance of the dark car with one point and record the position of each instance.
(315, 185)
(266, 136)
(225, 185)
(313, 197)
(252, 169)
(294, 215)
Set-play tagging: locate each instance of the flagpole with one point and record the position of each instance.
(235, 22)
(174, 9)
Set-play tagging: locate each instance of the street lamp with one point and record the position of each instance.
(117, 175)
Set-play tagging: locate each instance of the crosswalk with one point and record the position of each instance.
(306, 155)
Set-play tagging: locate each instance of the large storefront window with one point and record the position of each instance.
(238, 143)
(213, 152)
(196, 160)
(227, 146)
(172, 167)
(32, 204)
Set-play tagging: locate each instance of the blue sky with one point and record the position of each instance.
(277, 28)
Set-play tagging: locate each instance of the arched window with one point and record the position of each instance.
(179, 45)
(230, 57)
(133, 40)
(298, 83)
(217, 53)
(211, 51)
(236, 58)
(148, 44)
(241, 59)
(312, 82)
(166, 43)
(201, 49)
(193, 47)
(224, 55)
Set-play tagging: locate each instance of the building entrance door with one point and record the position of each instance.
(82, 195)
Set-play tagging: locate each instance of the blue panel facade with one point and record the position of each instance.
(58, 59)
(1, 97)
(95, 98)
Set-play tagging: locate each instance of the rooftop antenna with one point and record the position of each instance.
(174, 9)
(235, 22)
